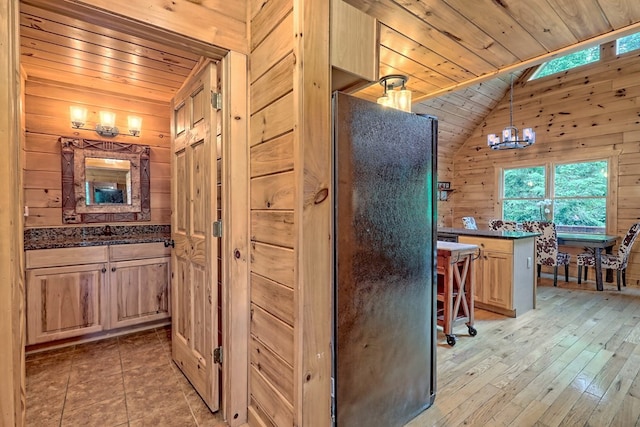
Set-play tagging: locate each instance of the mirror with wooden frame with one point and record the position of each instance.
(104, 181)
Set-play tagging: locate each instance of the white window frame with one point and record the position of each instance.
(612, 181)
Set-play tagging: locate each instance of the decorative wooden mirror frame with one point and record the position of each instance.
(74, 208)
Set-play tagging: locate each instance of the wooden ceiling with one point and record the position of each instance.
(458, 54)
(74, 52)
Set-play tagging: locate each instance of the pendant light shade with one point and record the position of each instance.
(398, 99)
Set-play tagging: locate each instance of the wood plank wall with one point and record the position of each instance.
(272, 199)
(12, 333)
(445, 173)
(591, 112)
(47, 118)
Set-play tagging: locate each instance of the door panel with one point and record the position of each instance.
(194, 258)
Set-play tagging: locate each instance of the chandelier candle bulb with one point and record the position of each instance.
(510, 137)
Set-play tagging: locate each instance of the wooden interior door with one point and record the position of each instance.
(195, 255)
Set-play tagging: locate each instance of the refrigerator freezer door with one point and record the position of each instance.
(384, 234)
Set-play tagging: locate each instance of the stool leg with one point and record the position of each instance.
(579, 274)
(555, 275)
(566, 272)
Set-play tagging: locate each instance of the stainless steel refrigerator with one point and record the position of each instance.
(384, 263)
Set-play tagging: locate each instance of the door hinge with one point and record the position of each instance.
(217, 228)
(217, 355)
(216, 100)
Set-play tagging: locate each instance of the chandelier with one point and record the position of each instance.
(510, 137)
(399, 99)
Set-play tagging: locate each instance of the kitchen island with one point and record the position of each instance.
(505, 269)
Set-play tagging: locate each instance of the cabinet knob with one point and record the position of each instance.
(104, 269)
(113, 269)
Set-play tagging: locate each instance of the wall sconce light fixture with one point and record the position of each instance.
(107, 125)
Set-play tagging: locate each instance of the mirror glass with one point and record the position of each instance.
(104, 181)
(107, 181)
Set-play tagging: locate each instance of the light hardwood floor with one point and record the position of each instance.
(573, 361)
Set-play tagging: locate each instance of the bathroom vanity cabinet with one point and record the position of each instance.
(78, 291)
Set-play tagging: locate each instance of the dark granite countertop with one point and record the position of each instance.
(447, 231)
(70, 237)
(95, 241)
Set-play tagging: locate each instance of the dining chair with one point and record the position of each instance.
(502, 225)
(547, 252)
(469, 223)
(616, 262)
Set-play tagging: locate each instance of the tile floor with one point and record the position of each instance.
(121, 381)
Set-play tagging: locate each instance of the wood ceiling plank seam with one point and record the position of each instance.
(441, 16)
(391, 39)
(203, 25)
(459, 105)
(542, 22)
(418, 82)
(452, 106)
(97, 84)
(499, 25)
(409, 66)
(34, 58)
(475, 94)
(456, 123)
(56, 43)
(135, 27)
(79, 69)
(465, 103)
(451, 110)
(65, 20)
(47, 29)
(620, 13)
(582, 17)
(86, 41)
(394, 16)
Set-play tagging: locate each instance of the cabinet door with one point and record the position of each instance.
(139, 291)
(497, 278)
(478, 290)
(64, 302)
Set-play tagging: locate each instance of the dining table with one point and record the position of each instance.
(595, 241)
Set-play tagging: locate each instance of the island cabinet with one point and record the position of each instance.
(505, 278)
(71, 292)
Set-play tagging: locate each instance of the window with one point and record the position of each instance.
(568, 62)
(573, 195)
(628, 43)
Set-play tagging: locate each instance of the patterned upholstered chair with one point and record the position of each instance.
(502, 225)
(469, 223)
(616, 262)
(547, 248)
